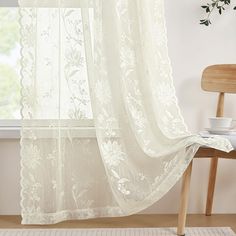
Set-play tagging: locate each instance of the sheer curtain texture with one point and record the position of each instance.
(102, 133)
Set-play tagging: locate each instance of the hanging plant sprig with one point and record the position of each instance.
(215, 5)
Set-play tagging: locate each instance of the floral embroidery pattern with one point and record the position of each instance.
(113, 154)
(142, 145)
(75, 69)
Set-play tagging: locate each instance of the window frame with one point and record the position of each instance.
(10, 129)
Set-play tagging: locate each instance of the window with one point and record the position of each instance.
(9, 64)
(9, 70)
(10, 89)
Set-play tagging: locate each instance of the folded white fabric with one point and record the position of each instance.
(230, 137)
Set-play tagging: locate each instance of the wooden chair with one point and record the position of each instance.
(221, 79)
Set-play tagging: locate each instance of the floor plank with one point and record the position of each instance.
(219, 220)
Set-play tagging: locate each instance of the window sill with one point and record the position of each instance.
(9, 133)
(11, 129)
(81, 132)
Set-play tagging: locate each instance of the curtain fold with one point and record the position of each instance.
(104, 62)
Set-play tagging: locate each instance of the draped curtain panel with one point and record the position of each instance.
(102, 133)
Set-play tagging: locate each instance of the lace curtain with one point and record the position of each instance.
(102, 133)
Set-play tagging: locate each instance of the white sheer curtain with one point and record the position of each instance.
(110, 55)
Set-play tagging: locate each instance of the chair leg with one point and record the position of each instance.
(211, 185)
(184, 200)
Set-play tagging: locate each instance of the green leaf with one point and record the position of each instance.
(205, 22)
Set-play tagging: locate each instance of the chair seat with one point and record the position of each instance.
(206, 152)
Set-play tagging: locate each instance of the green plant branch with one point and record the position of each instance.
(211, 7)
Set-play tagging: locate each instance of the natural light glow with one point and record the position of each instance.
(9, 64)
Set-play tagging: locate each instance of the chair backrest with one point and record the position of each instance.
(219, 78)
(222, 79)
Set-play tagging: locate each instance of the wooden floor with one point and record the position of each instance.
(132, 221)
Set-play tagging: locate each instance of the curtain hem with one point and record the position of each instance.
(169, 182)
(53, 218)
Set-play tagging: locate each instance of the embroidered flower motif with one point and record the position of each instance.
(75, 59)
(112, 152)
(33, 156)
(137, 115)
(120, 182)
(75, 67)
(108, 124)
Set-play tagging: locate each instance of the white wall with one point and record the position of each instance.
(10, 3)
(192, 47)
